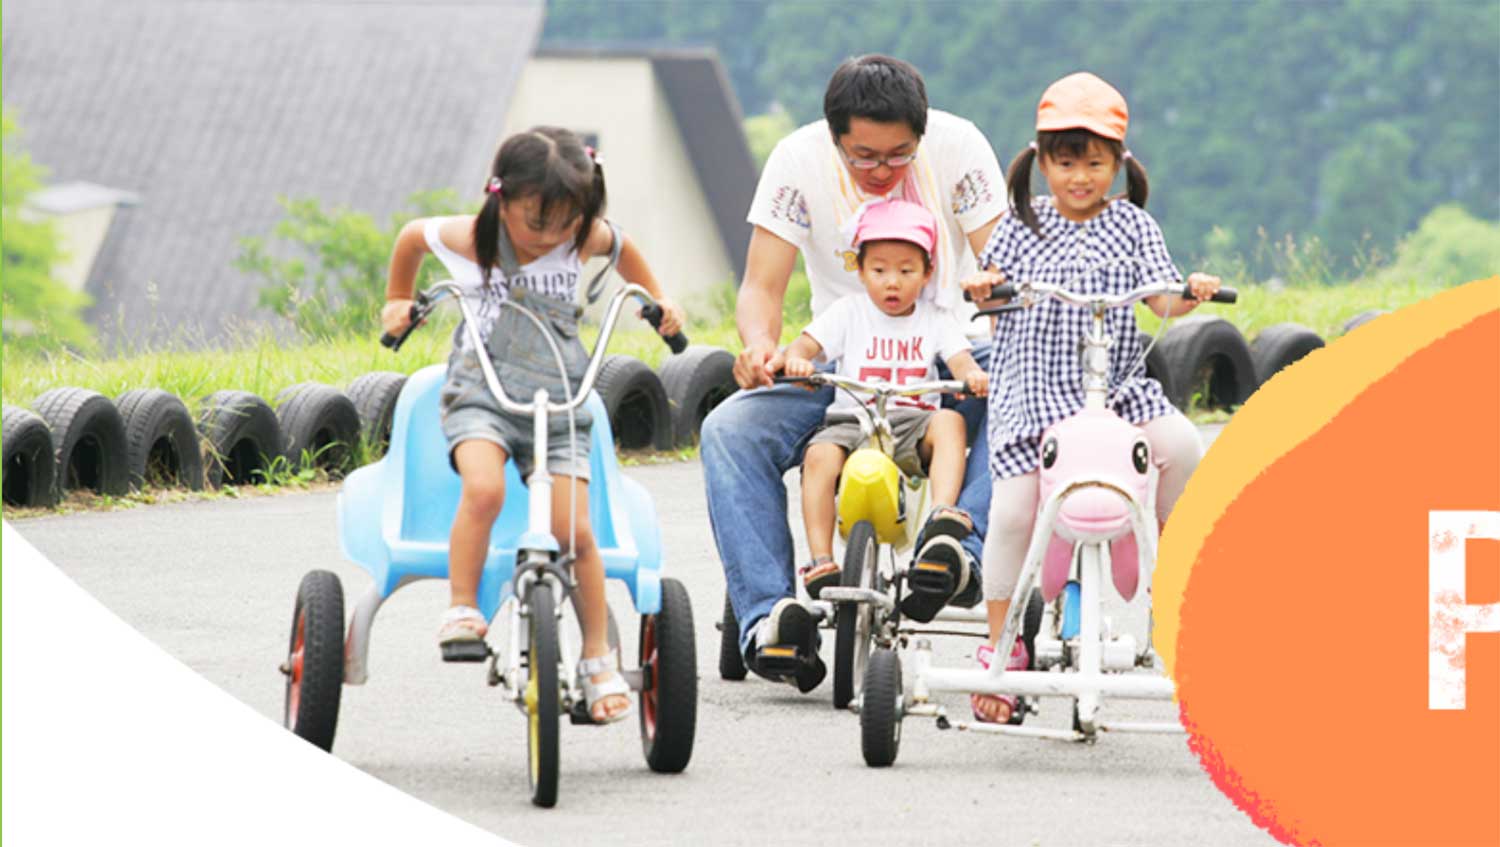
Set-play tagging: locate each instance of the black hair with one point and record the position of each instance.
(877, 88)
(547, 162)
(926, 259)
(1072, 142)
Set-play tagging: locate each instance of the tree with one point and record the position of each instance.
(329, 279)
(40, 312)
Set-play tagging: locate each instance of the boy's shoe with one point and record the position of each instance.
(784, 647)
(823, 572)
(1000, 708)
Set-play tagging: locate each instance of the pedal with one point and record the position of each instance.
(579, 714)
(777, 661)
(930, 578)
(465, 651)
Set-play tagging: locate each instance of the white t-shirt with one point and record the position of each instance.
(870, 344)
(806, 195)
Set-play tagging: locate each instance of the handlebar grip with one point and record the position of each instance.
(417, 314)
(1005, 289)
(1223, 295)
(653, 315)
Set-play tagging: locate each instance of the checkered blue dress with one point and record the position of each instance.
(1036, 372)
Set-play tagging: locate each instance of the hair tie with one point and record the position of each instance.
(594, 154)
(1033, 147)
(493, 186)
(1127, 155)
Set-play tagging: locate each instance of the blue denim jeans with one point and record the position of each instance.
(749, 442)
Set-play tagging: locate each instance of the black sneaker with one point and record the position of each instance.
(790, 651)
(940, 571)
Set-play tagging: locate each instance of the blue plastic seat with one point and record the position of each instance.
(394, 515)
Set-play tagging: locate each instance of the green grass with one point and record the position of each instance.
(1321, 308)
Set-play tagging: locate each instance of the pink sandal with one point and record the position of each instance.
(1013, 711)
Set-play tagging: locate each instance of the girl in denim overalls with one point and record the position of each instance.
(541, 219)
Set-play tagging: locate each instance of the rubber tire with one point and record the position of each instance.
(89, 439)
(879, 711)
(1280, 345)
(374, 396)
(1207, 344)
(318, 616)
(243, 435)
(668, 741)
(731, 660)
(30, 459)
(1362, 318)
(319, 420)
(636, 402)
(696, 380)
(159, 433)
(542, 719)
(861, 556)
(1156, 365)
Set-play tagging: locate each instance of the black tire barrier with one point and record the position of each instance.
(696, 380)
(1280, 345)
(636, 403)
(30, 459)
(89, 436)
(1156, 364)
(1362, 318)
(161, 442)
(1206, 355)
(374, 396)
(242, 435)
(319, 426)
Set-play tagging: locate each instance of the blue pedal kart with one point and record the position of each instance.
(394, 518)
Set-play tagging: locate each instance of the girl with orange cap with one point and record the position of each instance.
(1035, 372)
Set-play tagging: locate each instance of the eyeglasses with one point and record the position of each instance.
(858, 164)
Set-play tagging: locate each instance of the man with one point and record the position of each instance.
(878, 140)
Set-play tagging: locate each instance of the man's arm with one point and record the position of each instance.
(768, 269)
(980, 237)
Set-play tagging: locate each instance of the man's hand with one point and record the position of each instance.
(757, 364)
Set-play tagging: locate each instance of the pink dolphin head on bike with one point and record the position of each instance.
(1079, 452)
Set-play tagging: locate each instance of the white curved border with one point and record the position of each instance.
(106, 738)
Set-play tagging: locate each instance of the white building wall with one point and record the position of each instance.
(654, 193)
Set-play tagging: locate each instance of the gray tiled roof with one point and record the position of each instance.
(208, 111)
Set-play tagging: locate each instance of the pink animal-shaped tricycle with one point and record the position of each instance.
(1094, 518)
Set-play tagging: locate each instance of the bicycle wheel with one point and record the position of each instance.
(541, 695)
(851, 646)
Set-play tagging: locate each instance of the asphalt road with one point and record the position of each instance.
(213, 583)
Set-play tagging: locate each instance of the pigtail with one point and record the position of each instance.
(1018, 178)
(593, 206)
(1136, 185)
(487, 231)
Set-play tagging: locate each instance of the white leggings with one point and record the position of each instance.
(1175, 450)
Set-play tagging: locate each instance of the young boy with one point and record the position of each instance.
(888, 333)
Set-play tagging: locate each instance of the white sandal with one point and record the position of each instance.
(462, 623)
(593, 692)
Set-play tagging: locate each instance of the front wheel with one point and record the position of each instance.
(880, 709)
(314, 666)
(851, 646)
(669, 698)
(541, 694)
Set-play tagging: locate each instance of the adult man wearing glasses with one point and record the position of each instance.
(878, 139)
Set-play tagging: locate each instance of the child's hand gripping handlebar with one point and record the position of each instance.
(421, 306)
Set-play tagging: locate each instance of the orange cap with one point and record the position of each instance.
(1083, 101)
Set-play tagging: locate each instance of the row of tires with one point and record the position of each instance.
(78, 439)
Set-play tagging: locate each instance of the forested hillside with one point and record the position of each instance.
(1348, 121)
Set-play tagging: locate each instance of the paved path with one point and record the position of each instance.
(213, 584)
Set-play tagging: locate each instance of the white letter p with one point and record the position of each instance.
(1450, 616)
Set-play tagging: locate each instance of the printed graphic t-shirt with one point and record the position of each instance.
(870, 345)
(805, 195)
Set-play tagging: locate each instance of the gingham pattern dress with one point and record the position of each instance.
(1036, 372)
